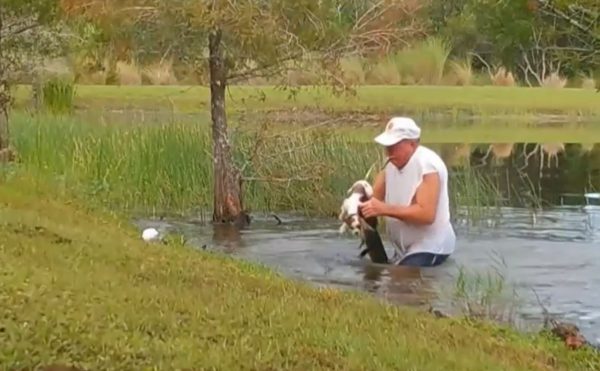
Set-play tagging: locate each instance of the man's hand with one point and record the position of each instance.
(373, 207)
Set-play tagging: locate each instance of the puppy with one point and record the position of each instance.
(365, 229)
(360, 191)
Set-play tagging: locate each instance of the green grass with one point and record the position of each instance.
(79, 287)
(168, 168)
(58, 96)
(471, 100)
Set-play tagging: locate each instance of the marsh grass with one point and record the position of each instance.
(167, 168)
(58, 95)
(486, 295)
(474, 196)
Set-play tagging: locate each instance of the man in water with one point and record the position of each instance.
(411, 193)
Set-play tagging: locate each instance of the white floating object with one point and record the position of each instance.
(150, 234)
(592, 195)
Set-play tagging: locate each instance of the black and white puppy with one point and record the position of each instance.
(360, 191)
(366, 229)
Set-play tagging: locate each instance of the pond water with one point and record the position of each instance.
(546, 245)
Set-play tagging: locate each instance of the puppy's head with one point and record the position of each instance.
(354, 223)
(363, 188)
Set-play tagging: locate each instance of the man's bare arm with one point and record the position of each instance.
(423, 210)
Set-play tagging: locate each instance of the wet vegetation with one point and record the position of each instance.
(167, 169)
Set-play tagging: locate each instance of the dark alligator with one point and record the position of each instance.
(372, 240)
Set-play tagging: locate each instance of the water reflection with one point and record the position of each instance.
(228, 237)
(526, 173)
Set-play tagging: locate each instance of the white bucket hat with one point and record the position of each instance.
(397, 129)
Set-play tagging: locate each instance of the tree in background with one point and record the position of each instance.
(251, 38)
(533, 38)
(27, 33)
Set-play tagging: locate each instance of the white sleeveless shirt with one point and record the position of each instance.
(400, 188)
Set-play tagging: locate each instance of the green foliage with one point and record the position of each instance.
(258, 36)
(532, 38)
(28, 32)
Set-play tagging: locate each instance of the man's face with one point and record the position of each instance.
(400, 153)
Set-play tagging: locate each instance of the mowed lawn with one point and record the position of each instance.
(476, 99)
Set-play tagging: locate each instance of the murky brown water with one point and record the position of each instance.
(550, 256)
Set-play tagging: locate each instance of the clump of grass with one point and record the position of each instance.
(461, 72)
(58, 95)
(128, 73)
(485, 296)
(159, 73)
(425, 62)
(554, 81)
(502, 77)
(588, 83)
(473, 196)
(383, 72)
(352, 70)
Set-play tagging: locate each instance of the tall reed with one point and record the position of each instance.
(58, 95)
(425, 62)
(168, 167)
(473, 196)
(486, 295)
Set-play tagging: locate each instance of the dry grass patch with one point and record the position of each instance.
(383, 72)
(128, 73)
(352, 69)
(502, 77)
(461, 72)
(159, 73)
(588, 83)
(554, 81)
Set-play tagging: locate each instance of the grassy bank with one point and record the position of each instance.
(455, 100)
(168, 168)
(80, 287)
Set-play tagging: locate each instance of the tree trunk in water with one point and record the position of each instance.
(227, 199)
